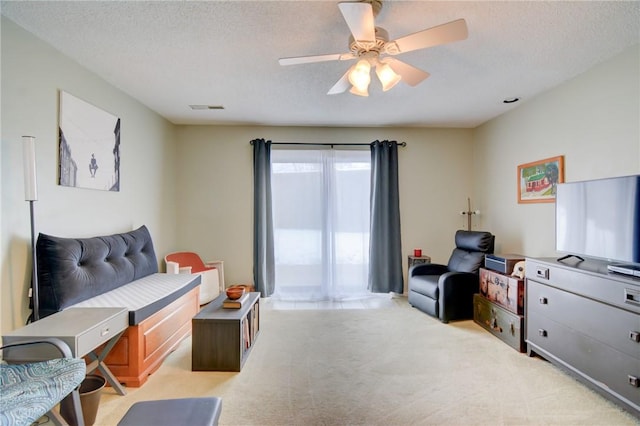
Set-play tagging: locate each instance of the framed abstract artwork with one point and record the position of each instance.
(88, 146)
(537, 181)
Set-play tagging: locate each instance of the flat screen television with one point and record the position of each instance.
(600, 219)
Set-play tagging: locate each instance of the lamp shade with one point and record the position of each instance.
(29, 158)
(360, 92)
(387, 76)
(359, 77)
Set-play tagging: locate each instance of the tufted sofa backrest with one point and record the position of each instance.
(71, 270)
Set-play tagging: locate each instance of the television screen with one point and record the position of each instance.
(600, 219)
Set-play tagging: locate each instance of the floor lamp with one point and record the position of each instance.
(31, 195)
(469, 213)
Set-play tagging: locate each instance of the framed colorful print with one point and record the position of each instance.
(88, 146)
(537, 180)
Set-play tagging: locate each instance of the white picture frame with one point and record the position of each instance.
(88, 146)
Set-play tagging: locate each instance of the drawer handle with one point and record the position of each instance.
(494, 325)
(542, 272)
(634, 381)
(104, 332)
(543, 301)
(631, 296)
(634, 336)
(542, 333)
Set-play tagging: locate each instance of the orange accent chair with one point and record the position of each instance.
(186, 262)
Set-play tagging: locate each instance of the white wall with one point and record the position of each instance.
(216, 187)
(32, 75)
(593, 120)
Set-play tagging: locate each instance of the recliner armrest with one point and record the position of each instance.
(428, 269)
(456, 290)
(453, 278)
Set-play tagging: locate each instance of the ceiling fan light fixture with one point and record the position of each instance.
(369, 44)
(387, 76)
(359, 91)
(360, 77)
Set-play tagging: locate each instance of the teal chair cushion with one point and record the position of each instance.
(28, 391)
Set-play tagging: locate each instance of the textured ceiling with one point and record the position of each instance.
(171, 54)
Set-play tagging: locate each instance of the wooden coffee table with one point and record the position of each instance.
(223, 338)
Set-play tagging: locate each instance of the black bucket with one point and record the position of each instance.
(90, 391)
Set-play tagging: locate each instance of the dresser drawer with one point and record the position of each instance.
(612, 289)
(600, 364)
(615, 327)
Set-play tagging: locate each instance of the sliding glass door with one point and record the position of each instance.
(321, 223)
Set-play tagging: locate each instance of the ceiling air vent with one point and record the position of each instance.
(202, 107)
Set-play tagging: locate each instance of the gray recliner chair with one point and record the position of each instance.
(446, 291)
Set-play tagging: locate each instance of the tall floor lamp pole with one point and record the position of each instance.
(469, 213)
(31, 195)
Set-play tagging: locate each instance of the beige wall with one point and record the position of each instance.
(192, 185)
(216, 187)
(593, 120)
(32, 75)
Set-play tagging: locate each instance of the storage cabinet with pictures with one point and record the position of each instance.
(499, 307)
(223, 338)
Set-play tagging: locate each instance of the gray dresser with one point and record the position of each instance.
(586, 321)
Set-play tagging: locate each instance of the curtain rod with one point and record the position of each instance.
(403, 144)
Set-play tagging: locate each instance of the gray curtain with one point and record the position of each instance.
(263, 257)
(385, 252)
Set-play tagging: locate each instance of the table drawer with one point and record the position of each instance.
(83, 329)
(101, 333)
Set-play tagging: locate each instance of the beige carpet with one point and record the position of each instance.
(389, 366)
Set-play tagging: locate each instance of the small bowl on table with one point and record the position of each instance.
(235, 293)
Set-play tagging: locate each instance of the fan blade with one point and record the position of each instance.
(342, 85)
(442, 34)
(410, 74)
(316, 58)
(359, 17)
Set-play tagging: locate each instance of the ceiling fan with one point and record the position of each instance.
(371, 46)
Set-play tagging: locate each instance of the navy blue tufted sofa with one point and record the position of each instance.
(120, 270)
(71, 270)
